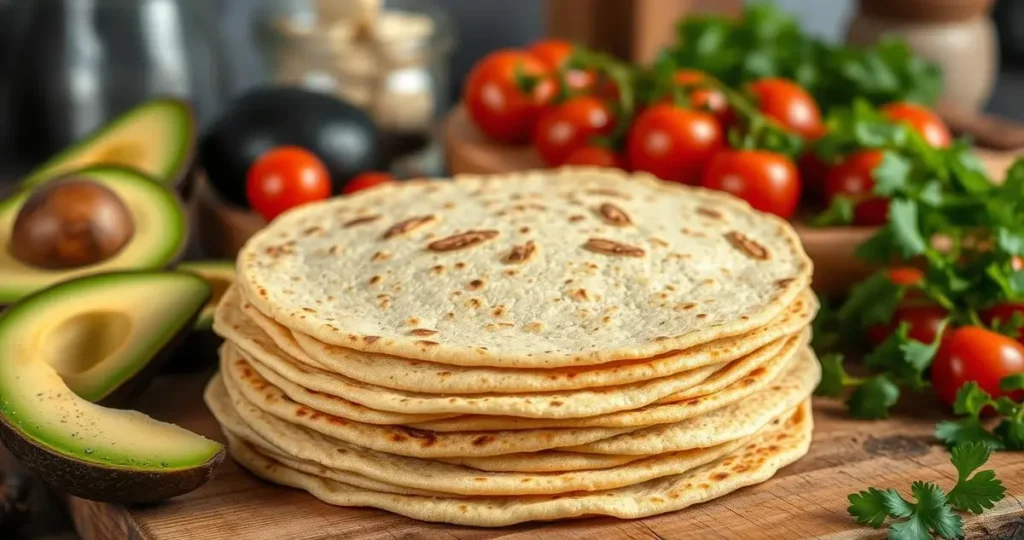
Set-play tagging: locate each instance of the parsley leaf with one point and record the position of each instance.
(906, 232)
(892, 175)
(833, 376)
(974, 493)
(839, 212)
(873, 399)
(872, 301)
(931, 512)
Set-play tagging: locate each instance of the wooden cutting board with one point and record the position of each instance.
(806, 499)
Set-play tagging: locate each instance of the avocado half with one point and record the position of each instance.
(157, 138)
(219, 275)
(161, 231)
(68, 347)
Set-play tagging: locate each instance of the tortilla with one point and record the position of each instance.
(569, 267)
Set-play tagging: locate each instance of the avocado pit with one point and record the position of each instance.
(71, 223)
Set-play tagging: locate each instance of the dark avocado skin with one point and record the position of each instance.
(104, 484)
(341, 135)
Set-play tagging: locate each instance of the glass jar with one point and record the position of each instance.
(388, 58)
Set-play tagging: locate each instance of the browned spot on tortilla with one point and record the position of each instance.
(555, 403)
(483, 440)
(360, 221)
(749, 247)
(422, 332)
(370, 339)
(499, 311)
(375, 280)
(427, 343)
(708, 212)
(476, 284)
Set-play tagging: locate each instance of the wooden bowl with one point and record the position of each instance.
(831, 249)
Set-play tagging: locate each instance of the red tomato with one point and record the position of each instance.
(922, 120)
(924, 322)
(1004, 312)
(554, 53)
(286, 177)
(767, 180)
(813, 174)
(673, 143)
(596, 156)
(789, 105)
(905, 275)
(495, 101)
(853, 178)
(367, 180)
(971, 353)
(571, 126)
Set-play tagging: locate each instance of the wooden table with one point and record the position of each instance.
(806, 499)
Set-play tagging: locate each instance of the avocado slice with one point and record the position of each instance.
(161, 230)
(157, 138)
(80, 342)
(219, 275)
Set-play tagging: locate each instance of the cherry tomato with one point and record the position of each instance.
(704, 99)
(972, 353)
(907, 276)
(673, 143)
(554, 53)
(924, 322)
(789, 105)
(922, 120)
(367, 180)
(853, 178)
(495, 101)
(596, 156)
(1004, 312)
(570, 126)
(767, 180)
(286, 177)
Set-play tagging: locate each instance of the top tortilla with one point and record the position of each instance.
(381, 271)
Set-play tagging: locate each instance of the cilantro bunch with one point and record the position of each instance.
(932, 510)
(971, 401)
(766, 42)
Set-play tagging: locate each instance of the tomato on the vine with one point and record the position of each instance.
(554, 53)
(972, 353)
(704, 99)
(367, 180)
(788, 104)
(596, 156)
(673, 143)
(569, 126)
(853, 177)
(924, 324)
(767, 180)
(1003, 312)
(285, 177)
(495, 98)
(922, 120)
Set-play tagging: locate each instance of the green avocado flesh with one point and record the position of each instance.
(156, 138)
(77, 342)
(219, 275)
(159, 237)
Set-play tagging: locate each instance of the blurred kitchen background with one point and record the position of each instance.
(68, 65)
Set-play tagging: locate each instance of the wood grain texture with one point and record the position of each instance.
(805, 500)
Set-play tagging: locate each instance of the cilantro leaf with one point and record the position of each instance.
(833, 376)
(877, 249)
(839, 212)
(873, 399)
(1012, 382)
(872, 301)
(1009, 241)
(905, 359)
(1011, 431)
(954, 432)
(892, 175)
(873, 506)
(906, 231)
(974, 493)
(970, 399)
(930, 514)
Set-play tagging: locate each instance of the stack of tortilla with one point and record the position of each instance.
(544, 345)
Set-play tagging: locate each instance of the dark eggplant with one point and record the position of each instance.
(341, 135)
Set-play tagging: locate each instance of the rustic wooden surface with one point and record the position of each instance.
(805, 500)
(831, 249)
